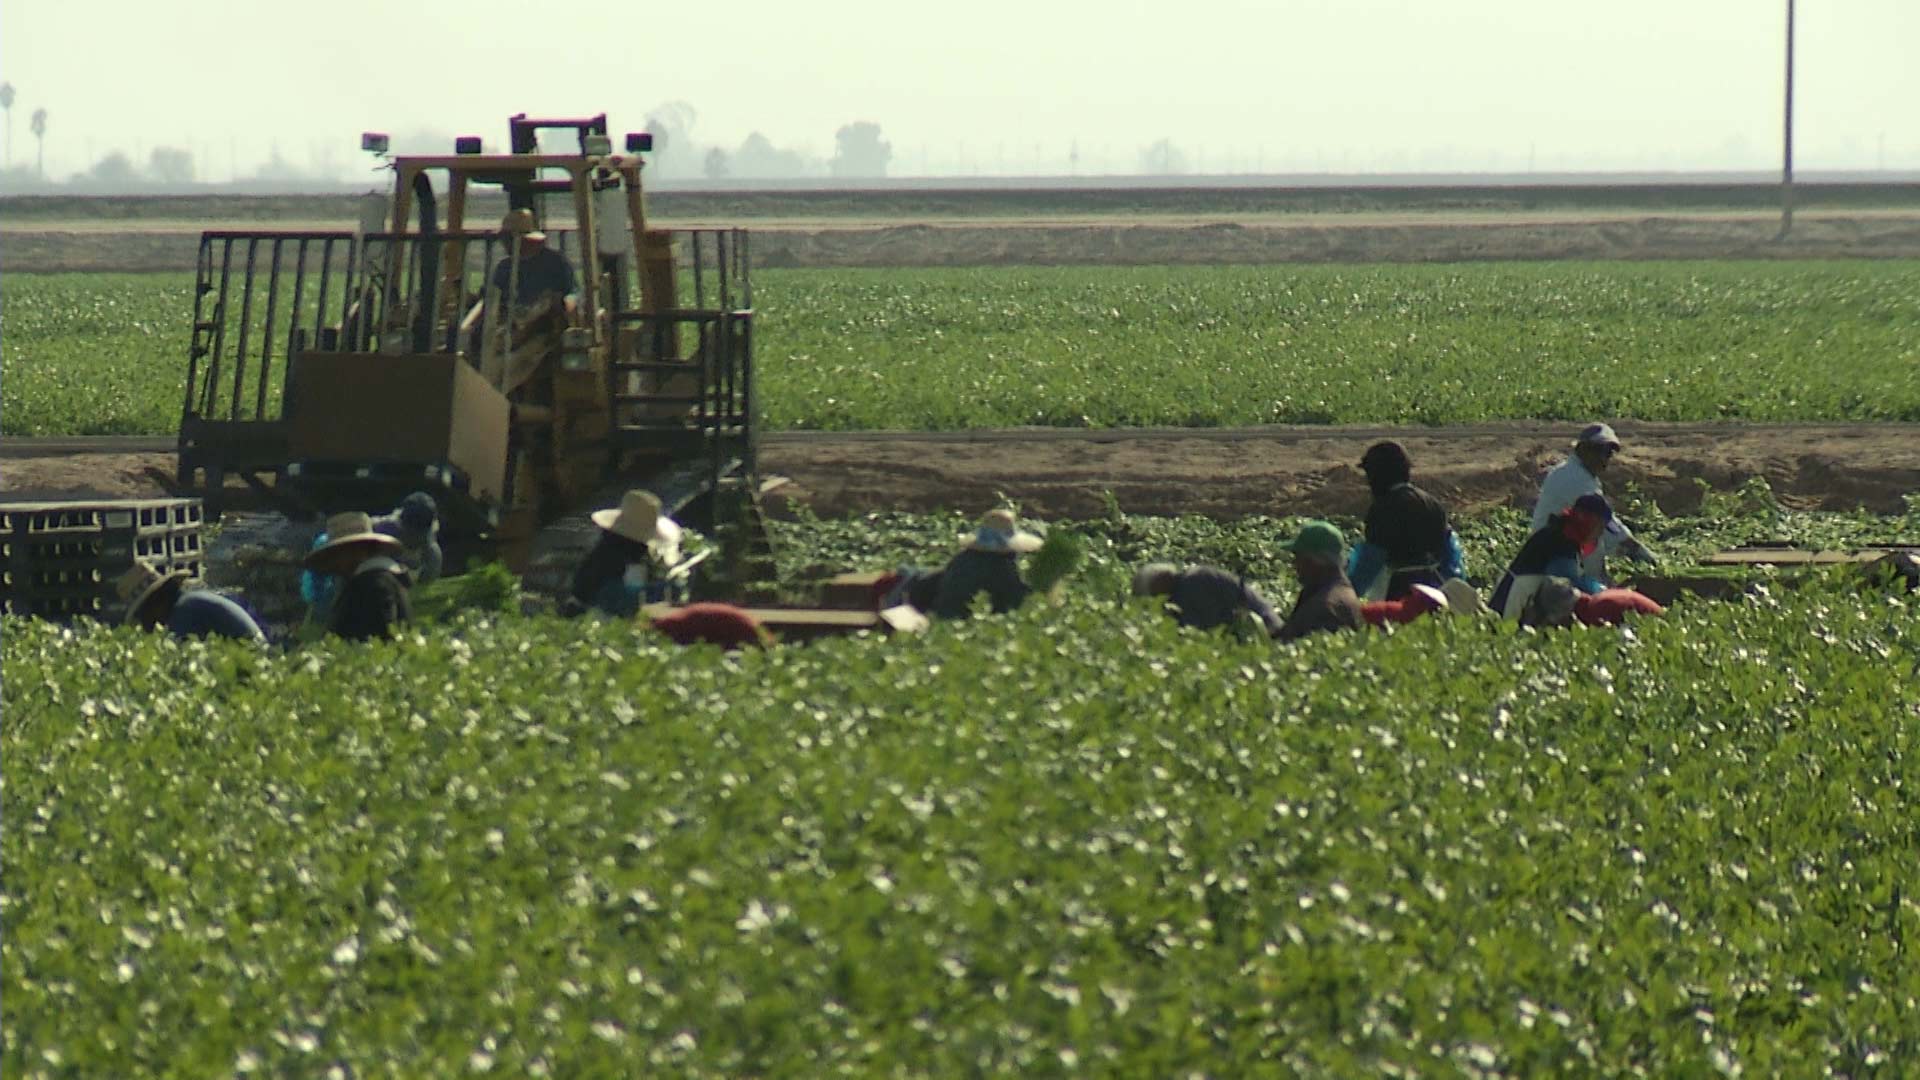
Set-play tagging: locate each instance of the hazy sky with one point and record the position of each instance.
(992, 85)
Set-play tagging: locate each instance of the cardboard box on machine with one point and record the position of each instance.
(429, 410)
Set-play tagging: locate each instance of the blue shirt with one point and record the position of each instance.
(200, 613)
(319, 589)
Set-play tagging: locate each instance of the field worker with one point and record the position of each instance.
(629, 565)
(1205, 597)
(545, 274)
(1900, 570)
(155, 599)
(1327, 600)
(1554, 551)
(988, 562)
(1408, 538)
(724, 625)
(373, 590)
(416, 524)
(1579, 475)
(1421, 600)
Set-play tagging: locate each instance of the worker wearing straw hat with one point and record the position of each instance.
(155, 599)
(374, 594)
(633, 561)
(988, 562)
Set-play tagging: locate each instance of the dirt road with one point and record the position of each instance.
(1068, 473)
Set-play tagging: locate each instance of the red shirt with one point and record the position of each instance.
(711, 624)
(1382, 612)
(1610, 607)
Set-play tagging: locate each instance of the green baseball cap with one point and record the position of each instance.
(1318, 538)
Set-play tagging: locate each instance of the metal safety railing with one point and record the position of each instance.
(677, 375)
(260, 298)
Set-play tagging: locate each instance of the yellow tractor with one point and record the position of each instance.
(504, 331)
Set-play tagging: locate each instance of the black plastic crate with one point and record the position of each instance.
(61, 560)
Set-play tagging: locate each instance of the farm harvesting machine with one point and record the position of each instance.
(341, 370)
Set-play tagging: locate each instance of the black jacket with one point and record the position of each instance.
(973, 572)
(1547, 551)
(372, 600)
(1410, 526)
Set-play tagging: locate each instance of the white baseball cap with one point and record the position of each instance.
(1598, 435)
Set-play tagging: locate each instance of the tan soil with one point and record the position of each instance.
(1227, 473)
(1156, 241)
(1303, 471)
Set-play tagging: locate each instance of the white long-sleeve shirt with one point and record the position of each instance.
(1566, 482)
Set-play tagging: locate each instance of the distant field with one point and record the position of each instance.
(1210, 346)
(903, 225)
(932, 202)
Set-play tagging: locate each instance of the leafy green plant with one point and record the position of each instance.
(1060, 554)
(488, 588)
(1075, 837)
(1191, 346)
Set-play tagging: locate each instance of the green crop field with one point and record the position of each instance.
(1208, 346)
(1073, 839)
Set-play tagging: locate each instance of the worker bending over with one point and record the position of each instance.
(373, 595)
(1205, 597)
(155, 599)
(988, 562)
(633, 561)
(1555, 550)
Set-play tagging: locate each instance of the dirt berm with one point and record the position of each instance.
(1292, 470)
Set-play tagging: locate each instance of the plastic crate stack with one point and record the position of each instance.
(60, 560)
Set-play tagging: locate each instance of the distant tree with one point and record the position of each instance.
(279, 169)
(716, 165)
(758, 157)
(6, 102)
(114, 171)
(170, 165)
(860, 151)
(671, 125)
(1162, 159)
(39, 127)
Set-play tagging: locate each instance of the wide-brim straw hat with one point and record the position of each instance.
(141, 583)
(1000, 533)
(638, 518)
(348, 529)
(520, 223)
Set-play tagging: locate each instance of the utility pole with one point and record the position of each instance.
(39, 128)
(1786, 171)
